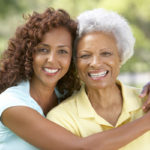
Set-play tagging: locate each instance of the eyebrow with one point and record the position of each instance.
(43, 44)
(84, 50)
(105, 49)
(49, 46)
(63, 46)
(102, 49)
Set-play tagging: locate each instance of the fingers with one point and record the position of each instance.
(146, 106)
(145, 90)
(146, 93)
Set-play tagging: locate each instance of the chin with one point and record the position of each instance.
(99, 85)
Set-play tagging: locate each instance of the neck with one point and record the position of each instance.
(106, 103)
(43, 95)
(103, 97)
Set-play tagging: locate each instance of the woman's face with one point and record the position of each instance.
(98, 61)
(53, 56)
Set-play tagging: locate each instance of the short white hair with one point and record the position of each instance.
(108, 22)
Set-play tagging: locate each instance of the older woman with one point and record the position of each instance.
(104, 42)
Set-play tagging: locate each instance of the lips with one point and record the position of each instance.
(97, 75)
(50, 71)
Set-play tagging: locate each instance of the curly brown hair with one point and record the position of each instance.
(16, 61)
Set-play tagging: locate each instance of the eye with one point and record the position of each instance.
(43, 50)
(84, 56)
(106, 54)
(62, 51)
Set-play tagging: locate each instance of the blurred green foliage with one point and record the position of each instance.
(135, 11)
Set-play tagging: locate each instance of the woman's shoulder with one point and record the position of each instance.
(21, 88)
(18, 95)
(128, 88)
(131, 89)
(14, 96)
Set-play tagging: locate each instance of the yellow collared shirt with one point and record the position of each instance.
(77, 115)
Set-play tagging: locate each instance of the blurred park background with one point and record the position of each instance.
(135, 72)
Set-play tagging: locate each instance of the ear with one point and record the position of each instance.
(120, 65)
(120, 62)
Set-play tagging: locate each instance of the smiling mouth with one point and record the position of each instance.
(50, 71)
(96, 76)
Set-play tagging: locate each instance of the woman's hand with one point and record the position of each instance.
(146, 93)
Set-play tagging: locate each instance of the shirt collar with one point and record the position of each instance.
(130, 96)
(82, 100)
(131, 102)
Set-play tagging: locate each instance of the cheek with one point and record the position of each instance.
(36, 65)
(115, 67)
(81, 68)
(66, 62)
(37, 60)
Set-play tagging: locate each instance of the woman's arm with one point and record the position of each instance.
(37, 130)
(118, 137)
(46, 135)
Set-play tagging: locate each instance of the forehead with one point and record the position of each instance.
(60, 34)
(97, 40)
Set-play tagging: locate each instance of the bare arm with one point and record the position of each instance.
(38, 131)
(118, 137)
(44, 134)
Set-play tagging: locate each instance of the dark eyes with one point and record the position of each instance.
(104, 54)
(42, 50)
(47, 50)
(62, 51)
(85, 56)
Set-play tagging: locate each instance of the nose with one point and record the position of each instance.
(51, 57)
(95, 62)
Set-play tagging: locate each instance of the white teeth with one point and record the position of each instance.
(50, 70)
(96, 75)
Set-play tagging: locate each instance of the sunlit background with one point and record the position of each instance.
(135, 72)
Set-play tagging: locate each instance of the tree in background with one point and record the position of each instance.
(136, 12)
